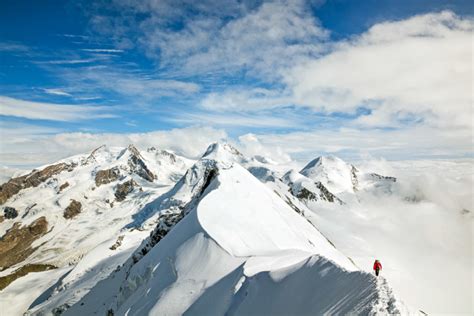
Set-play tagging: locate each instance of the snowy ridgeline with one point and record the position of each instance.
(159, 234)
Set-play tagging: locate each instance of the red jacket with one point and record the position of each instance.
(377, 265)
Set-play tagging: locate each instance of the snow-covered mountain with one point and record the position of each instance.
(123, 231)
(61, 212)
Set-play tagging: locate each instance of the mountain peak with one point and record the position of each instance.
(136, 163)
(323, 161)
(93, 156)
(223, 152)
(333, 172)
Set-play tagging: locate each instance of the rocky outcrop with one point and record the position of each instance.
(63, 186)
(33, 179)
(326, 195)
(354, 180)
(24, 270)
(123, 189)
(118, 243)
(10, 212)
(15, 245)
(376, 176)
(106, 176)
(138, 166)
(73, 209)
(305, 194)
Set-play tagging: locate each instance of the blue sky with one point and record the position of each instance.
(276, 74)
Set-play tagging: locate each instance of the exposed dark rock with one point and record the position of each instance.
(354, 179)
(63, 186)
(15, 245)
(106, 176)
(166, 222)
(1, 218)
(118, 243)
(305, 194)
(10, 212)
(123, 189)
(73, 209)
(138, 166)
(57, 311)
(24, 270)
(326, 195)
(28, 209)
(209, 175)
(376, 176)
(33, 179)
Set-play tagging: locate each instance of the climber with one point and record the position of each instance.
(377, 267)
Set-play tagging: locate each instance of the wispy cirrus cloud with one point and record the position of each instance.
(51, 111)
(57, 92)
(103, 50)
(126, 83)
(13, 47)
(69, 61)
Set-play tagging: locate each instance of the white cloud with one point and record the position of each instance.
(417, 70)
(262, 42)
(29, 146)
(125, 83)
(70, 61)
(415, 142)
(421, 66)
(216, 37)
(414, 75)
(103, 50)
(263, 120)
(50, 111)
(13, 47)
(251, 146)
(242, 99)
(56, 92)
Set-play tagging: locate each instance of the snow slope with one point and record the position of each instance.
(237, 246)
(419, 224)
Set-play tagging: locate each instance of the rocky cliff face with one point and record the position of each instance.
(106, 176)
(123, 189)
(15, 245)
(33, 179)
(137, 164)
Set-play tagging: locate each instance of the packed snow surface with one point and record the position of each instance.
(230, 257)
